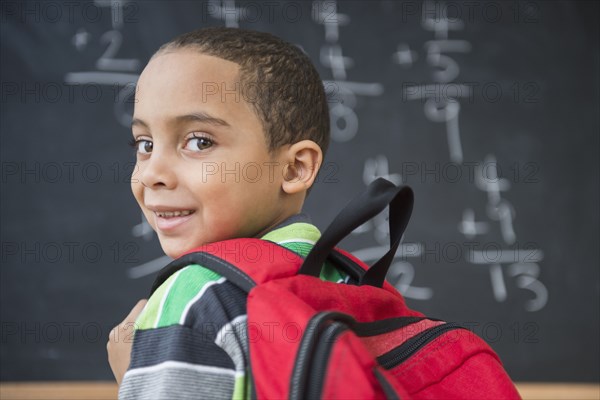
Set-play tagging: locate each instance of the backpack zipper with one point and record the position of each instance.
(401, 353)
(315, 347)
(315, 337)
(316, 379)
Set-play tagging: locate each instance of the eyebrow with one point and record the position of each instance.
(193, 117)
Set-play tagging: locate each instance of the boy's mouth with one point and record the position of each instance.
(170, 220)
(171, 214)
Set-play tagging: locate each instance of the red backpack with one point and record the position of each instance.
(310, 338)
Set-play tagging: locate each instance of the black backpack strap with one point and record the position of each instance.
(207, 260)
(378, 195)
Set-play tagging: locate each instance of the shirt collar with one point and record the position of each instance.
(297, 227)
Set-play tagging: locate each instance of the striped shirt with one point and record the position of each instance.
(190, 340)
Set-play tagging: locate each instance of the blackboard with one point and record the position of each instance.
(489, 111)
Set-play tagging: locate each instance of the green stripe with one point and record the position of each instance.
(298, 247)
(190, 282)
(330, 273)
(239, 388)
(297, 230)
(148, 315)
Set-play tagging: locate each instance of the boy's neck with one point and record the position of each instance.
(292, 219)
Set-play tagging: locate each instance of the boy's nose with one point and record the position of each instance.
(157, 172)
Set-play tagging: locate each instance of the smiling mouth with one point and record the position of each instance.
(172, 214)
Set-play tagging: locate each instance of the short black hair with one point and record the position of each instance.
(288, 94)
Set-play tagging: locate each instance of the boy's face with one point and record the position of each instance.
(203, 170)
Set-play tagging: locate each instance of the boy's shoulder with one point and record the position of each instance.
(296, 233)
(171, 303)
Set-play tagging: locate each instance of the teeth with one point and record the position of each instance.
(170, 214)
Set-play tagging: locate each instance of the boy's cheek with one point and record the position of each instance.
(138, 191)
(136, 188)
(135, 177)
(150, 218)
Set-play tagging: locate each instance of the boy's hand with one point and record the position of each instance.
(120, 341)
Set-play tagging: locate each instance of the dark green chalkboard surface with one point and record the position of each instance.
(489, 111)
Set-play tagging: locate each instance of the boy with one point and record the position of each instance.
(230, 128)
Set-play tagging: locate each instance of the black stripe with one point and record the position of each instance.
(176, 343)
(219, 305)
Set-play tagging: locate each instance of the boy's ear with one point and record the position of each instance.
(303, 162)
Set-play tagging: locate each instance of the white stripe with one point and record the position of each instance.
(228, 329)
(181, 365)
(196, 297)
(297, 240)
(229, 325)
(164, 298)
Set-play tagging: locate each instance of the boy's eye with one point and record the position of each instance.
(197, 143)
(141, 146)
(144, 146)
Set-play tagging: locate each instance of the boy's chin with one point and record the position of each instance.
(174, 248)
